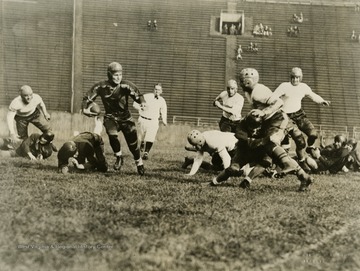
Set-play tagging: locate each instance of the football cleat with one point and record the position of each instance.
(305, 179)
(140, 170)
(145, 156)
(119, 162)
(245, 184)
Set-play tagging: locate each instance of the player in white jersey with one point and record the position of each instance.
(232, 104)
(149, 118)
(273, 124)
(220, 145)
(292, 94)
(27, 108)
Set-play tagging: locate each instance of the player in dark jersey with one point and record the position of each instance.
(35, 147)
(114, 93)
(84, 151)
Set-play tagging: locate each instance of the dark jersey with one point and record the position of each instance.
(114, 97)
(32, 144)
(90, 148)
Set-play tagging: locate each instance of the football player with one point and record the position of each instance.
(273, 124)
(35, 147)
(27, 108)
(84, 151)
(332, 160)
(115, 93)
(292, 94)
(231, 104)
(220, 146)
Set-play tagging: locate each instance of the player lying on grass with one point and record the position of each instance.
(333, 160)
(84, 151)
(35, 147)
(220, 146)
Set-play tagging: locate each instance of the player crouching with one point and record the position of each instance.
(84, 151)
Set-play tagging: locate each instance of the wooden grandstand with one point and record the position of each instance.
(185, 53)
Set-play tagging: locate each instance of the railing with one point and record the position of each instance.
(325, 131)
(346, 3)
(196, 121)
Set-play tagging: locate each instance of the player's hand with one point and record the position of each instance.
(47, 116)
(15, 138)
(31, 156)
(165, 123)
(326, 103)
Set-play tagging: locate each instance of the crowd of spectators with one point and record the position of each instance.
(293, 31)
(298, 18)
(262, 30)
(232, 28)
(152, 25)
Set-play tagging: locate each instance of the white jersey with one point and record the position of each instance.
(216, 142)
(260, 98)
(235, 103)
(293, 95)
(155, 107)
(22, 109)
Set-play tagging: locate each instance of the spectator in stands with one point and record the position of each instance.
(225, 29)
(298, 19)
(357, 7)
(231, 105)
(239, 30)
(155, 25)
(266, 31)
(353, 35)
(239, 53)
(232, 29)
(149, 25)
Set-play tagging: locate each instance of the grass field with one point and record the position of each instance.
(167, 221)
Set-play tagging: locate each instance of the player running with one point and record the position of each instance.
(273, 124)
(292, 94)
(114, 93)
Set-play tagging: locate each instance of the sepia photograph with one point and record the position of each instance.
(169, 135)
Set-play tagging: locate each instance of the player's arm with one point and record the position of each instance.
(197, 163)
(225, 157)
(163, 113)
(218, 98)
(10, 118)
(43, 109)
(26, 145)
(89, 98)
(317, 98)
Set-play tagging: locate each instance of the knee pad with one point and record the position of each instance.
(300, 141)
(311, 139)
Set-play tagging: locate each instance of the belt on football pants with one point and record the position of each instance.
(145, 118)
